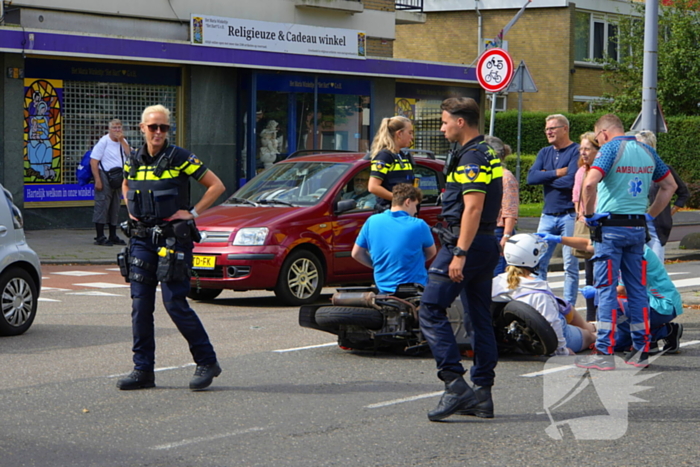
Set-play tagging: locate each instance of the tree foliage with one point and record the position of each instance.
(678, 86)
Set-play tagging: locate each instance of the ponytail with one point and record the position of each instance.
(514, 275)
(384, 139)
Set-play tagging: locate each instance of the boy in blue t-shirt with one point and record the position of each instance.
(395, 243)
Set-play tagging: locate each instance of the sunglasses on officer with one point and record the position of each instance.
(153, 127)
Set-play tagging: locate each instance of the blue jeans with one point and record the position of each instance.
(441, 292)
(143, 295)
(621, 251)
(501, 266)
(560, 225)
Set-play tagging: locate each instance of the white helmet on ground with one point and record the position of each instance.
(524, 250)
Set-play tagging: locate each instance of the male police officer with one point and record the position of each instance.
(471, 202)
(622, 174)
(156, 186)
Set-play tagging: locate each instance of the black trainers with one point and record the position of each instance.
(104, 241)
(204, 375)
(457, 394)
(484, 405)
(596, 361)
(116, 241)
(672, 342)
(638, 359)
(138, 379)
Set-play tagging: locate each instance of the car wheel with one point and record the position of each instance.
(203, 294)
(537, 337)
(301, 279)
(18, 301)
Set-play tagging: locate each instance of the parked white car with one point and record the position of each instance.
(20, 271)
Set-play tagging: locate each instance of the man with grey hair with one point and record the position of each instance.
(107, 156)
(555, 169)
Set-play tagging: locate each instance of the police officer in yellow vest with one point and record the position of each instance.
(161, 230)
(470, 205)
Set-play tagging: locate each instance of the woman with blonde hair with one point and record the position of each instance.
(390, 166)
(588, 150)
(523, 253)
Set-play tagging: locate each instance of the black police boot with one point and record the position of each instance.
(204, 375)
(138, 379)
(457, 394)
(484, 406)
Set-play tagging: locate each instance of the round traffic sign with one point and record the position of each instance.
(494, 70)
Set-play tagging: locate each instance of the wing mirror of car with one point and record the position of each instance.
(345, 205)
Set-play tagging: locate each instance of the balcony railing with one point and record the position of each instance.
(409, 5)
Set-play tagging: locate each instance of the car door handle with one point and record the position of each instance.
(3, 230)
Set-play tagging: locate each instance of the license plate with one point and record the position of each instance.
(203, 262)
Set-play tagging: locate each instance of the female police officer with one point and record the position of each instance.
(390, 166)
(156, 183)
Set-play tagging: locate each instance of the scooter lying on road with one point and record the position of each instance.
(365, 320)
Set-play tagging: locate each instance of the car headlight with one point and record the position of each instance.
(251, 236)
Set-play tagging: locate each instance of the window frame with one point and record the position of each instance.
(609, 23)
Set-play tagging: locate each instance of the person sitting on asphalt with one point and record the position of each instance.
(395, 243)
(523, 253)
(360, 193)
(665, 301)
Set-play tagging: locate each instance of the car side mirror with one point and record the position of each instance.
(345, 205)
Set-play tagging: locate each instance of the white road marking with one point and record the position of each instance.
(53, 289)
(568, 367)
(79, 273)
(166, 368)
(42, 299)
(307, 347)
(405, 399)
(186, 442)
(95, 293)
(687, 282)
(549, 371)
(102, 285)
(112, 269)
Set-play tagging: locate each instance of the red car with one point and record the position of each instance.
(291, 230)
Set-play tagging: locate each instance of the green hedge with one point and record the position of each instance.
(679, 148)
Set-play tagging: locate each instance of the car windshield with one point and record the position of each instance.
(290, 184)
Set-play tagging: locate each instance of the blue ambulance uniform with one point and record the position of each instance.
(152, 199)
(478, 170)
(628, 169)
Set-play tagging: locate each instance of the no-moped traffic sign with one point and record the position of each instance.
(494, 70)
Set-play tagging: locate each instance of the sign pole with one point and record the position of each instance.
(493, 112)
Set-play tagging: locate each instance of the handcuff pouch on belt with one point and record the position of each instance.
(172, 264)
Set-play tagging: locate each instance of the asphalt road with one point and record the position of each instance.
(289, 396)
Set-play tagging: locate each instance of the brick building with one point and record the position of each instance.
(555, 38)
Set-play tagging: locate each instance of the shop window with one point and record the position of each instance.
(303, 112)
(89, 106)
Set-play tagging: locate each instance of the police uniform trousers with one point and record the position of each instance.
(143, 295)
(439, 294)
(621, 251)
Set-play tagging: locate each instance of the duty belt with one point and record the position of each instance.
(624, 220)
(482, 231)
